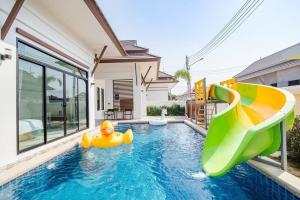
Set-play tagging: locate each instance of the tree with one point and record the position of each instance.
(185, 75)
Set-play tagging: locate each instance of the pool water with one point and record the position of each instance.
(162, 163)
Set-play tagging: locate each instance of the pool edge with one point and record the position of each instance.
(37, 157)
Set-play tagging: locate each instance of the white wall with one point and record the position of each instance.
(117, 71)
(137, 93)
(8, 103)
(157, 95)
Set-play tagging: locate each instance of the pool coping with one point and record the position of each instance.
(283, 178)
(43, 154)
(29, 160)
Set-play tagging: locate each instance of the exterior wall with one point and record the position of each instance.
(8, 136)
(50, 31)
(281, 78)
(116, 71)
(157, 95)
(290, 74)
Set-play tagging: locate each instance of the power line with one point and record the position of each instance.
(235, 22)
(246, 8)
(239, 23)
(217, 70)
(222, 30)
(228, 32)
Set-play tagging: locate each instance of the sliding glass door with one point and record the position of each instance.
(82, 101)
(31, 106)
(71, 104)
(52, 98)
(55, 104)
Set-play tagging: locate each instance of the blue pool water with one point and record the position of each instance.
(162, 163)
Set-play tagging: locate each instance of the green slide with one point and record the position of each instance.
(248, 127)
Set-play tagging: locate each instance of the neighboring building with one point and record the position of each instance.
(281, 69)
(184, 96)
(158, 84)
(53, 85)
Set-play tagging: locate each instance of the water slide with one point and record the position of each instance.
(248, 127)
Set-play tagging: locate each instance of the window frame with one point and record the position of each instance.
(98, 98)
(291, 82)
(44, 66)
(102, 99)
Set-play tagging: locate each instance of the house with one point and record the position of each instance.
(157, 87)
(281, 69)
(184, 96)
(60, 70)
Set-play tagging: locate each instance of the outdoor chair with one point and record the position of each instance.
(127, 112)
(109, 114)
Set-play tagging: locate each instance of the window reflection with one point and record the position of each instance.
(82, 97)
(31, 128)
(71, 102)
(55, 104)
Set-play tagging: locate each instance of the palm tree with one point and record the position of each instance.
(185, 75)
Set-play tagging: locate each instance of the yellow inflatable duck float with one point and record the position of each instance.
(107, 137)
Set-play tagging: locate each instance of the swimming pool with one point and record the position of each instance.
(162, 163)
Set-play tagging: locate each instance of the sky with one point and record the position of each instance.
(173, 29)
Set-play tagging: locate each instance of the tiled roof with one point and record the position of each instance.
(131, 45)
(164, 75)
(271, 60)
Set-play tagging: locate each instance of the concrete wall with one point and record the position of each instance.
(118, 71)
(8, 131)
(157, 95)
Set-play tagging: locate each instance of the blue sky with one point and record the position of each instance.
(175, 28)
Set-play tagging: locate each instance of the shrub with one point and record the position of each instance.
(293, 140)
(173, 110)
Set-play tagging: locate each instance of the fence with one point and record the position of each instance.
(197, 113)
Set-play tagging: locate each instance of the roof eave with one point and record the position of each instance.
(96, 11)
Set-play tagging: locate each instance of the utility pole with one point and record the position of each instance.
(187, 66)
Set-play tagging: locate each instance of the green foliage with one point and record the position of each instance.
(183, 73)
(293, 140)
(174, 110)
(171, 96)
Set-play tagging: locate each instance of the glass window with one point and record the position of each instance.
(71, 104)
(102, 99)
(294, 82)
(31, 126)
(31, 52)
(82, 102)
(52, 103)
(55, 104)
(98, 99)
